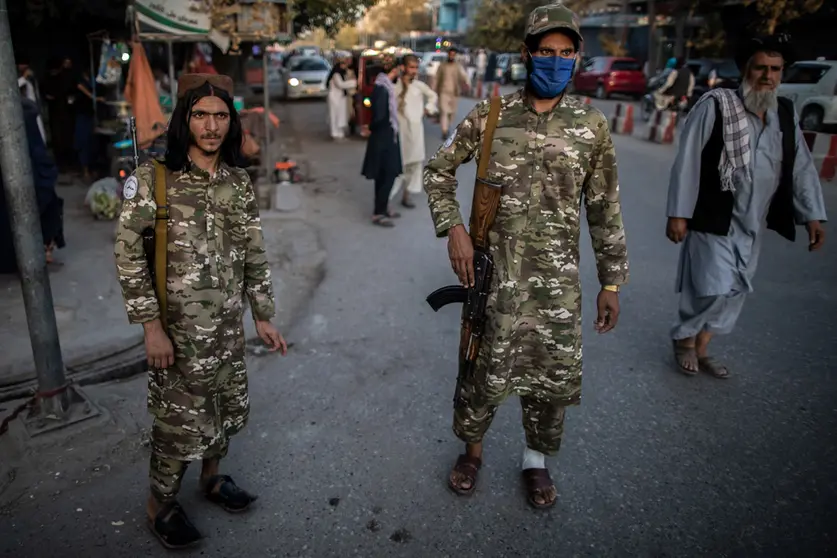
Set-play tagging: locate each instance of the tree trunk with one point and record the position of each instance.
(624, 41)
(680, 15)
(652, 37)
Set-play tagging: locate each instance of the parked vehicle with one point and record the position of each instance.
(304, 77)
(368, 66)
(711, 73)
(510, 69)
(812, 86)
(430, 63)
(608, 75)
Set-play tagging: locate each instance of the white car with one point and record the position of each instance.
(430, 63)
(812, 86)
(304, 77)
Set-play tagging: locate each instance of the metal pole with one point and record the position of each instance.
(26, 227)
(172, 83)
(266, 154)
(93, 86)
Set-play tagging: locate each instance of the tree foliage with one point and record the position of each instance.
(773, 13)
(395, 17)
(612, 44)
(329, 15)
(500, 24)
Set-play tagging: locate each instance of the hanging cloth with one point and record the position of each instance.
(141, 92)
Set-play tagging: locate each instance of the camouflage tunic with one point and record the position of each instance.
(546, 164)
(215, 256)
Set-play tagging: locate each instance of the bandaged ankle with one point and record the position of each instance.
(533, 459)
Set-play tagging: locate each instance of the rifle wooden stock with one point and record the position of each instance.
(483, 212)
(486, 195)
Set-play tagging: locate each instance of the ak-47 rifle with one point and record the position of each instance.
(474, 299)
(154, 239)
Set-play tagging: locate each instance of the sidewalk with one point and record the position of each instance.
(97, 342)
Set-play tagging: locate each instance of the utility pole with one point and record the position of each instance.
(652, 38)
(54, 400)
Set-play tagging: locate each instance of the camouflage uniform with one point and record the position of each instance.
(215, 256)
(546, 163)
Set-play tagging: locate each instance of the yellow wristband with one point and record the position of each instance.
(611, 288)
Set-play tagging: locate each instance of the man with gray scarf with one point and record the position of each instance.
(742, 165)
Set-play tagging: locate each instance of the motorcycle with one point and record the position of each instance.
(653, 102)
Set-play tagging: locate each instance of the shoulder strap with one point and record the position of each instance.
(788, 127)
(488, 137)
(161, 239)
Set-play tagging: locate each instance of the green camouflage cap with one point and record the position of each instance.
(553, 17)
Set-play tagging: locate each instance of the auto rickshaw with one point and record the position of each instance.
(369, 64)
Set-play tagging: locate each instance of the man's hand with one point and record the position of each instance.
(607, 304)
(461, 253)
(816, 235)
(676, 229)
(271, 337)
(158, 347)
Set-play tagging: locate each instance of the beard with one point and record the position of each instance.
(205, 151)
(758, 102)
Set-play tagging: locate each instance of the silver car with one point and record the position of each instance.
(304, 77)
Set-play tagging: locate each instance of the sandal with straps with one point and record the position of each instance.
(537, 483)
(467, 467)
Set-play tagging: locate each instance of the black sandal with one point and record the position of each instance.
(537, 482)
(468, 467)
(382, 221)
(173, 528)
(229, 496)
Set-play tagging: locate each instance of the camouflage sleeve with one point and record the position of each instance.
(440, 171)
(137, 214)
(604, 212)
(257, 279)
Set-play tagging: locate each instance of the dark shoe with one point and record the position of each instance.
(173, 528)
(228, 495)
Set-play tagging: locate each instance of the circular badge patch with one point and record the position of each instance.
(130, 188)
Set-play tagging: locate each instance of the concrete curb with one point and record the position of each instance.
(301, 274)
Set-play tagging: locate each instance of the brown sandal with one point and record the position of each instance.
(468, 467)
(682, 353)
(537, 483)
(710, 366)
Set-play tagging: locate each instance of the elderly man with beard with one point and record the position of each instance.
(742, 165)
(194, 336)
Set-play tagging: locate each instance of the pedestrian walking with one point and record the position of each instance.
(415, 100)
(382, 162)
(549, 153)
(480, 64)
(742, 164)
(339, 86)
(451, 80)
(194, 336)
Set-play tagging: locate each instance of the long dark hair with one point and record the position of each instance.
(180, 137)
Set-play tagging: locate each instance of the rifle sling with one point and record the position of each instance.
(161, 239)
(488, 137)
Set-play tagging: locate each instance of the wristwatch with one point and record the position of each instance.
(611, 288)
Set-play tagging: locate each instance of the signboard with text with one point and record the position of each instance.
(179, 17)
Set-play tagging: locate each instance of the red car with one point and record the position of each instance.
(605, 75)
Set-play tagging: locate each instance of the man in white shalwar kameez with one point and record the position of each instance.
(742, 166)
(338, 108)
(415, 100)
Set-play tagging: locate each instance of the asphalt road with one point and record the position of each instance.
(349, 442)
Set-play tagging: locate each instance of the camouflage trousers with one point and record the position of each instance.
(543, 423)
(166, 475)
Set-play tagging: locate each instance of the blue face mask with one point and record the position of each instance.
(550, 75)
